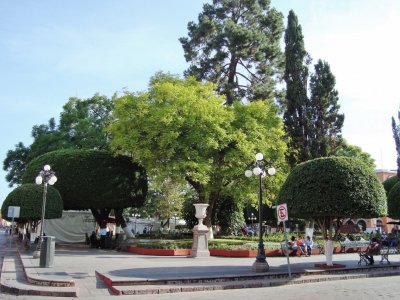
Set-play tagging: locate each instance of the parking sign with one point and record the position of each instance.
(282, 212)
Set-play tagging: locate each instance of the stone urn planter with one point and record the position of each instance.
(200, 231)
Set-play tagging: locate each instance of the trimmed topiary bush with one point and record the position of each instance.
(29, 198)
(330, 189)
(333, 187)
(93, 179)
(394, 201)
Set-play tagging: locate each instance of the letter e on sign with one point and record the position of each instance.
(282, 213)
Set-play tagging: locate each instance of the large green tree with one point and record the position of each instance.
(95, 180)
(325, 121)
(179, 129)
(312, 123)
(236, 45)
(81, 126)
(396, 136)
(349, 150)
(296, 103)
(393, 199)
(331, 189)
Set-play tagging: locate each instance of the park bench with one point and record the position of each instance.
(386, 251)
(358, 245)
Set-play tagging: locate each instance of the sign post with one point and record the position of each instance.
(283, 216)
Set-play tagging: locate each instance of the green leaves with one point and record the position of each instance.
(93, 179)
(334, 187)
(29, 197)
(180, 129)
(236, 45)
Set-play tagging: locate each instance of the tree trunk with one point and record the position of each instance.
(212, 199)
(328, 252)
(120, 220)
(101, 216)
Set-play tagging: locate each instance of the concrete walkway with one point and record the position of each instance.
(99, 273)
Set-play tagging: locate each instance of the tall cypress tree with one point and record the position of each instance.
(324, 118)
(313, 123)
(296, 102)
(396, 136)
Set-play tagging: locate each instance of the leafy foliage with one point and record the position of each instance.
(348, 150)
(29, 197)
(389, 183)
(228, 214)
(179, 129)
(236, 45)
(166, 200)
(325, 121)
(396, 136)
(333, 188)
(15, 163)
(82, 125)
(394, 201)
(90, 179)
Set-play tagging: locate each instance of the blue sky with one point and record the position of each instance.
(52, 50)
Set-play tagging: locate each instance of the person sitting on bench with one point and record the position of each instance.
(373, 249)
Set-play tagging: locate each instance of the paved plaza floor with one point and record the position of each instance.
(81, 265)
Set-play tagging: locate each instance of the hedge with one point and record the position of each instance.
(29, 198)
(333, 187)
(93, 179)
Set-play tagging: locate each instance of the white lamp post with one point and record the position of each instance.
(252, 219)
(46, 176)
(135, 215)
(259, 169)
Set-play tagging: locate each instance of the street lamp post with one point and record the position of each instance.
(175, 222)
(252, 219)
(46, 176)
(259, 166)
(135, 215)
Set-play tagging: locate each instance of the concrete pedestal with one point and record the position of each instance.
(200, 242)
(260, 266)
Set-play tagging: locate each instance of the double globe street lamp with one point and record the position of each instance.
(259, 168)
(46, 176)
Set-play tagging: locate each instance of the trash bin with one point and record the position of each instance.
(47, 252)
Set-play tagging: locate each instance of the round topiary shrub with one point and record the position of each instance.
(394, 201)
(29, 198)
(330, 189)
(333, 187)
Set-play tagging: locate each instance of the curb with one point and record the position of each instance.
(210, 283)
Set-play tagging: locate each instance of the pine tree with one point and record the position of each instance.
(236, 45)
